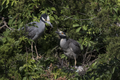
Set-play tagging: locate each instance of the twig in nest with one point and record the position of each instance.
(84, 56)
(89, 57)
(89, 64)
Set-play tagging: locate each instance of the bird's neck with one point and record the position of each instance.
(41, 24)
(62, 42)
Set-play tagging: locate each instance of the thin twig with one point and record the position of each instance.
(89, 57)
(89, 64)
(85, 14)
(90, 51)
(84, 56)
(54, 48)
(80, 19)
(5, 24)
(2, 27)
(26, 53)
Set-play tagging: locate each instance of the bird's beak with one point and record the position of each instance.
(49, 24)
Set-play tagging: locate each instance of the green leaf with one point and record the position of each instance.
(84, 27)
(3, 2)
(21, 68)
(76, 25)
(4, 40)
(113, 70)
(62, 11)
(25, 78)
(53, 8)
(78, 29)
(1, 8)
(12, 20)
(115, 9)
(30, 78)
(32, 61)
(94, 64)
(66, 18)
(6, 33)
(81, 47)
(102, 1)
(89, 44)
(62, 56)
(7, 2)
(12, 3)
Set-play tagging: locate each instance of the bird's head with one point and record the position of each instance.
(61, 34)
(45, 18)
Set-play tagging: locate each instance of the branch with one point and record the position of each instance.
(89, 57)
(2, 27)
(85, 14)
(90, 51)
(84, 56)
(80, 19)
(5, 24)
(54, 48)
(88, 64)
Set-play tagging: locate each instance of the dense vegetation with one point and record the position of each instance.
(93, 23)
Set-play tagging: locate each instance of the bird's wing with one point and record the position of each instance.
(74, 45)
(30, 26)
(31, 32)
(29, 29)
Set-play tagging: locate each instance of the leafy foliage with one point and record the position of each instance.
(93, 23)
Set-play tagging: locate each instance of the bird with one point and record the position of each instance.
(34, 30)
(70, 47)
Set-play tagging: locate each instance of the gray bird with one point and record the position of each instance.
(70, 47)
(34, 30)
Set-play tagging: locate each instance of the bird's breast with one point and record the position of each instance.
(40, 30)
(62, 43)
